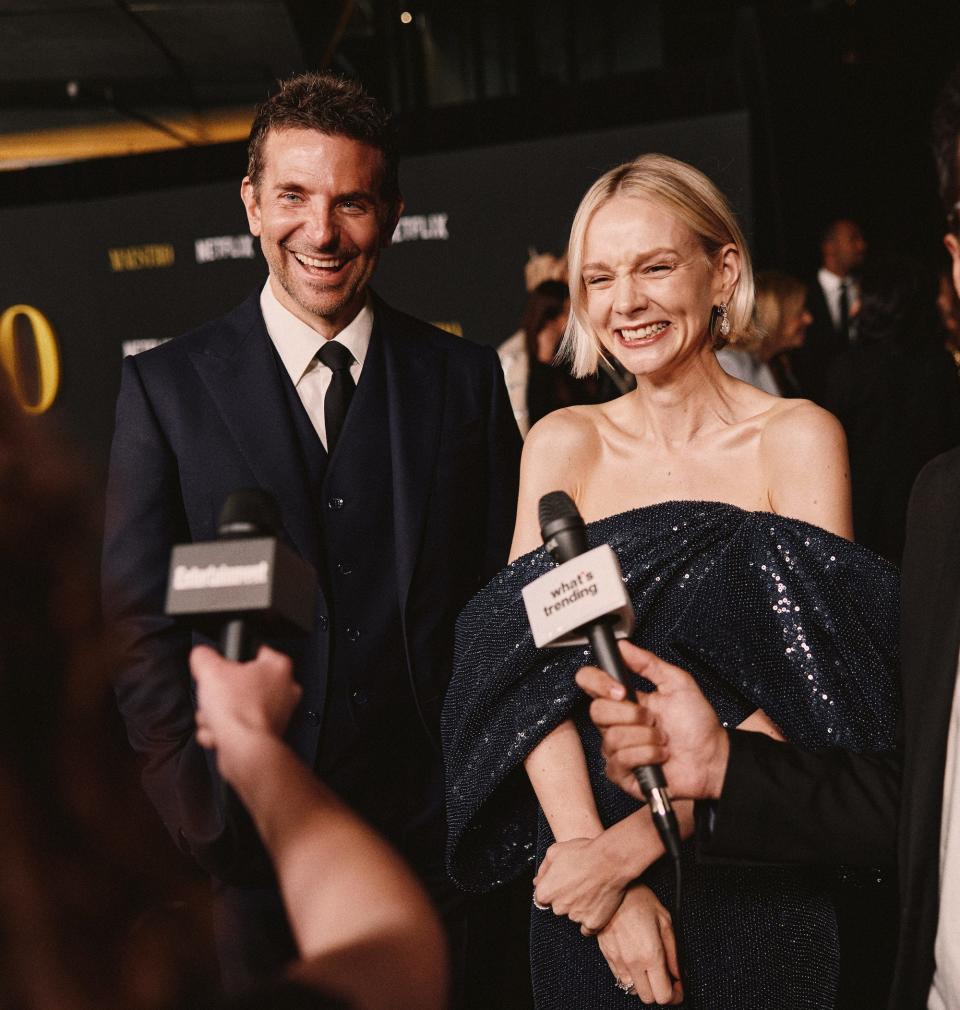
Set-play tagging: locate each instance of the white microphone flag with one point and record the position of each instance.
(573, 594)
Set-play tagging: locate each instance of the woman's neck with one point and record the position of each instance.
(673, 408)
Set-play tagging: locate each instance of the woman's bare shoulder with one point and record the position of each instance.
(795, 427)
(571, 432)
(804, 452)
(556, 454)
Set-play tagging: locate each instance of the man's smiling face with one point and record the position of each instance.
(321, 221)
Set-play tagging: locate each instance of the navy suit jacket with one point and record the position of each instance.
(780, 804)
(206, 414)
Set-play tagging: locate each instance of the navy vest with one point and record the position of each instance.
(373, 749)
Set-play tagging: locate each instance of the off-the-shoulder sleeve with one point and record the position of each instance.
(766, 612)
(505, 696)
(805, 625)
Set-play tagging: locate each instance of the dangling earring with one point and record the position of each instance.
(720, 321)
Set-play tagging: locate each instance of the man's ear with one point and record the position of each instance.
(390, 223)
(248, 195)
(953, 247)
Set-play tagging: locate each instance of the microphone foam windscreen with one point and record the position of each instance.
(249, 512)
(557, 505)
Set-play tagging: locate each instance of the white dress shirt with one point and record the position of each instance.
(945, 991)
(297, 344)
(830, 284)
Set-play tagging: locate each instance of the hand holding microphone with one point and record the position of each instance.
(241, 703)
(240, 588)
(674, 727)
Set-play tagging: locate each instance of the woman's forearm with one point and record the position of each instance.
(633, 844)
(557, 769)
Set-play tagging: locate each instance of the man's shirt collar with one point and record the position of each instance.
(297, 343)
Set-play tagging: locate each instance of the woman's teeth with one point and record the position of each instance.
(643, 332)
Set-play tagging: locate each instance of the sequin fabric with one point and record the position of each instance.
(766, 612)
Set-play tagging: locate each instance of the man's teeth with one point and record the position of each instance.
(644, 331)
(312, 261)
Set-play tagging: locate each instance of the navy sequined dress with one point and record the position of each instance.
(766, 612)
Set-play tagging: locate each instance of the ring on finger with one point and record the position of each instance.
(625, 987)
(537, 905)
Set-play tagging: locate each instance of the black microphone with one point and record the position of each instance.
(245, 585)
(565, 537)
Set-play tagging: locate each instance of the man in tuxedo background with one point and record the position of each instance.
(777, 803)
(391, 451)
(832, 300)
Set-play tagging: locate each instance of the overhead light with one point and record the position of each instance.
(406, 17)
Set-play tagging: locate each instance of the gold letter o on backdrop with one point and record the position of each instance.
(47, 352)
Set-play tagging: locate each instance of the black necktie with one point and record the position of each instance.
(340, 391)
(845, 312)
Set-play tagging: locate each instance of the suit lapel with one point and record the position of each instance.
(239, 370)
(416, 374)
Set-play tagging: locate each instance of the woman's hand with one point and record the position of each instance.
(640, 948)
(581, 879)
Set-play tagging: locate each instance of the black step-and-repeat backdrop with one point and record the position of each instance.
(82, 284)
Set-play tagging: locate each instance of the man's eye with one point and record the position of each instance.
(291, 197)
(593, 282)
(659, 268)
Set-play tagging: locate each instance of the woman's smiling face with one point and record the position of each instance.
(649, 286)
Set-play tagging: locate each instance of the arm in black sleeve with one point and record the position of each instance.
(144, 519)
(781, 804)
(503, 472)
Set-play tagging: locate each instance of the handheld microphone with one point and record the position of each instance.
(565, 537)
(247, 583)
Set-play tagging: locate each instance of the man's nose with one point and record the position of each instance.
(320, 228)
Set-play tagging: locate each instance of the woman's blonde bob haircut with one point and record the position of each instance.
(688, 194)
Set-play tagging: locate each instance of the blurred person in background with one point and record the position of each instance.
(543, 266)
(833, 300)
(536, 385)
(96, 912)
(782, 318)
(897, 395)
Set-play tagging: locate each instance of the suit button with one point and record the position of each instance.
(322, 623)
(360, 697)
(314, 716)
(353, 634)
(335, 503)
(343, 568)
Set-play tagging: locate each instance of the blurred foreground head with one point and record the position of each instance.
(77, 864)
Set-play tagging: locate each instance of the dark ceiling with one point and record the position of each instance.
(67, 62)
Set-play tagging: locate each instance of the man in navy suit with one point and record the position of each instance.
(832, 298)
(391, 450)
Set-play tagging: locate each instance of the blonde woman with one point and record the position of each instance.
(783, 319)
(730, 511)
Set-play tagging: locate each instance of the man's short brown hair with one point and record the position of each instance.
(329, 104)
